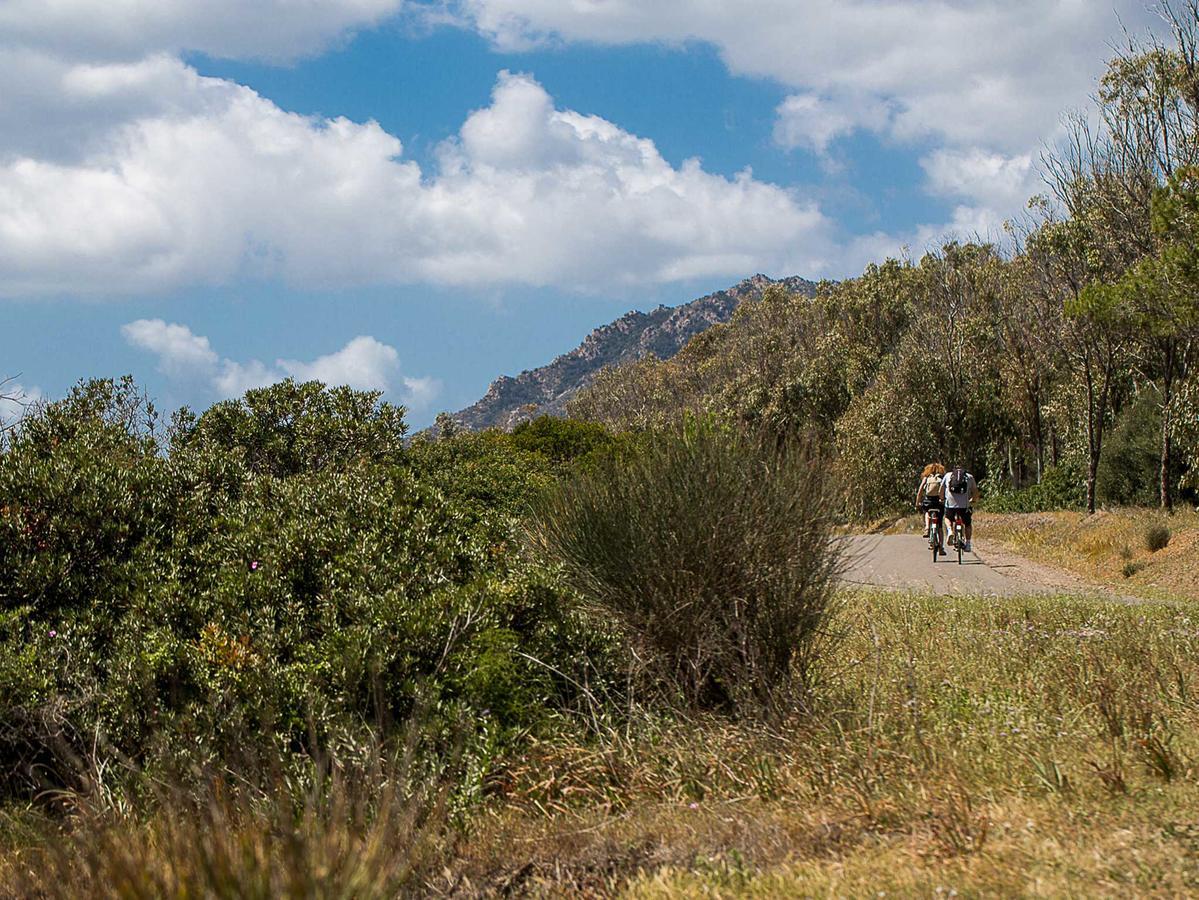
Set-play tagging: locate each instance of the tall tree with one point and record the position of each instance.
(1159, 296)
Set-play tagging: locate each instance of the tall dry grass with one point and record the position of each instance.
(361, 828)
(713, 553)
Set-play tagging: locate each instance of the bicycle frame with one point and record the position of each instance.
(959, 532)
(934, 532)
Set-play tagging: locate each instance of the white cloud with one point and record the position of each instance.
(259, 29)
(813, 123)
(994, 72)
(122, 170)
(15, 400)
(419, 394)
(212, 182)
(364, 363)
(179, 351)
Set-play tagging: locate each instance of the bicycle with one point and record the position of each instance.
(958, 532)
(934, 534)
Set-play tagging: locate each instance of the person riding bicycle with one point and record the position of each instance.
(930, 496)
(960, 491)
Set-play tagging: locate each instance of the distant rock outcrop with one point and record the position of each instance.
(661, 333)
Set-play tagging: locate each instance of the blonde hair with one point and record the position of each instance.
(933, 469)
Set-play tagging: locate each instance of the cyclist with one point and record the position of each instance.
(930, 497)
(960, 491)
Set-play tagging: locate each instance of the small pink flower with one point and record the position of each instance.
(53, 633)
(254, 566)
(693, 806)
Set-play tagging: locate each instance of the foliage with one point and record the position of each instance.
(1184, 429)
(292, 427)
(561, 440)
(1127, 475)
(713, 553)
(280, 569)
(1060, 488)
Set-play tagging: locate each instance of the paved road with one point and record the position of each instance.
(904, 562)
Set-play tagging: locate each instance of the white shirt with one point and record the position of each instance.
(957, 501)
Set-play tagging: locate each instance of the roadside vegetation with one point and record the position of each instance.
(1041, 747)
(1137, 551)
(278, 649)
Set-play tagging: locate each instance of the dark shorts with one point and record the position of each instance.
(932, 504)
(966, 514)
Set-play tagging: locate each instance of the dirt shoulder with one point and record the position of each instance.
(1111, 549)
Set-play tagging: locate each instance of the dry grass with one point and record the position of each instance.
(1111, 547)
(367, 832)
(1043, 747)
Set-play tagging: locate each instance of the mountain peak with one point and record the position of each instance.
(663, 332)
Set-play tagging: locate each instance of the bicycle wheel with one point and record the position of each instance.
(957, 540)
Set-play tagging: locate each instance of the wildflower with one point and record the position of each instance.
(53, 633)
(693, 805)
(254, 566)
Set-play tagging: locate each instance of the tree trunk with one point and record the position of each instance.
(1092, 442)
(1167, 495)
(1167, 498)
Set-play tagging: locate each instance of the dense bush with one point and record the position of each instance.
(561, 440)
(712, 553)
(279, 574)
(1127, 475)
(1060, 488)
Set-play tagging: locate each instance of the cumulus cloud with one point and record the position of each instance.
(122, 170)
(364, 363)
(987, 72)
(812, 122)
(214, 182)
(991, 187)
(260, 29)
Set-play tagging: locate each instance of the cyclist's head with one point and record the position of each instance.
(933, 469)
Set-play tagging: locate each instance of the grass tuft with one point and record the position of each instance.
(1157, 537)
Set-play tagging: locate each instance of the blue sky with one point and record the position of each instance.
(421, 196)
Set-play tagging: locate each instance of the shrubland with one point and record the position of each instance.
(979, 746)
(279, 617)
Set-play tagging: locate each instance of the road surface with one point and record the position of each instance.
(904, 562)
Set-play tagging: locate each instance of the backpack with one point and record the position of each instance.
(932, 486)
(958, 482)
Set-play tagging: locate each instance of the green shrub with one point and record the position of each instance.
(1131, 568)
(158, 607)
(292, 427)
(560, 440)
(1157, 537)
(1129, 469)
(1061, 487)
(713, 554)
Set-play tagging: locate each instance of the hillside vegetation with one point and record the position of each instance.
(1063, 374)
(658, 334)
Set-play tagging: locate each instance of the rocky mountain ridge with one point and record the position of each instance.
(663, 332)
